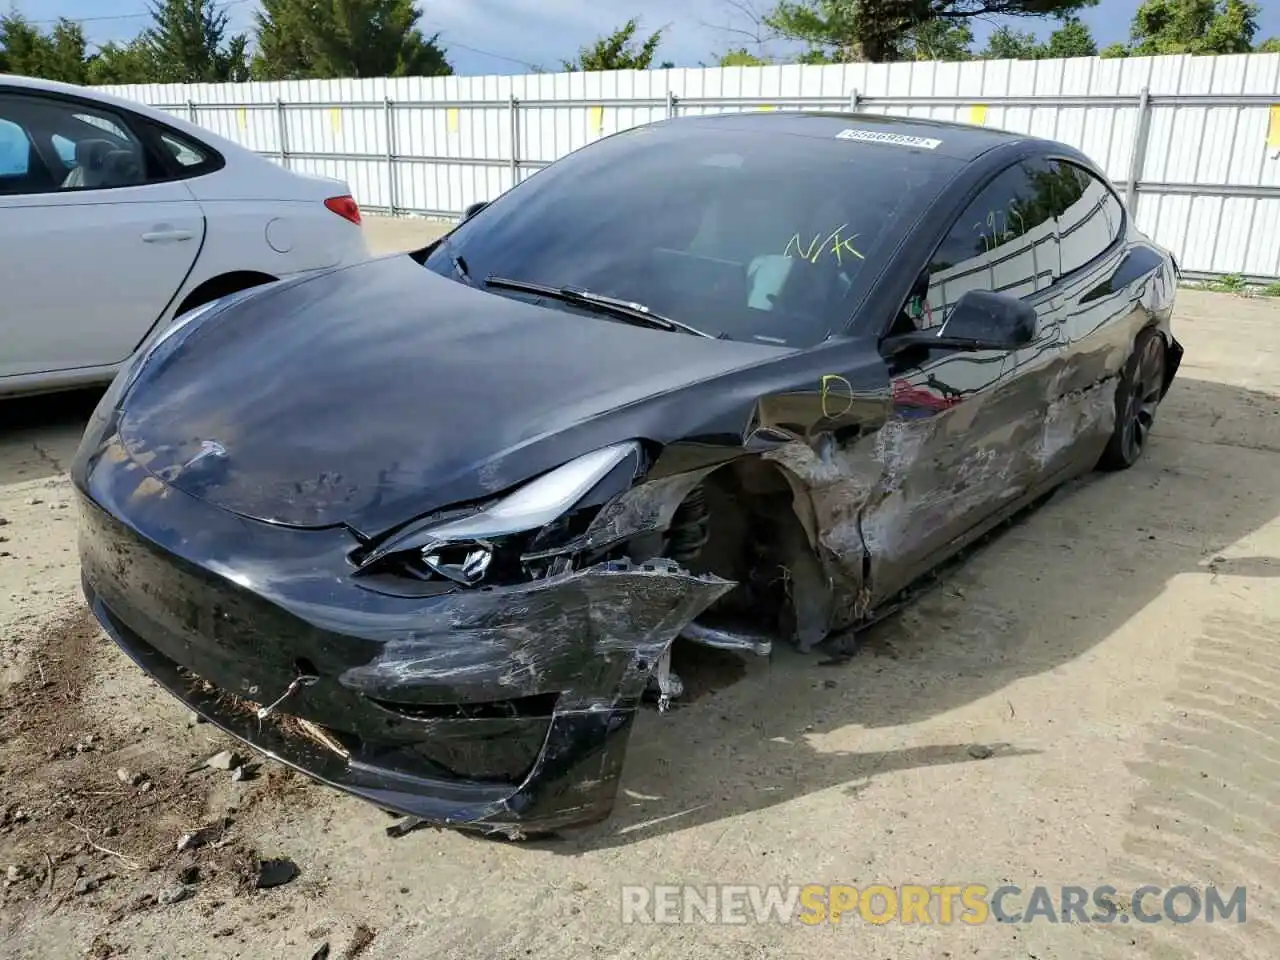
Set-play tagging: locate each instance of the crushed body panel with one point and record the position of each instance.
(481, 708)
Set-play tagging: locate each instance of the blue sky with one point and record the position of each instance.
(506, 36)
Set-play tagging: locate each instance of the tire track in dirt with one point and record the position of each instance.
(1206, 813)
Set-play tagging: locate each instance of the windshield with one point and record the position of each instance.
(739, 232)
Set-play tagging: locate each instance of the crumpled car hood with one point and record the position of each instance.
(379, 392)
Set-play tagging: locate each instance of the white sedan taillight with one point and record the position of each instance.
(345, 207)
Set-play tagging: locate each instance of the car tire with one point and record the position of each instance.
(1138, 394)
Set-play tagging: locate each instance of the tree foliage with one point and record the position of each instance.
(618, 51)
(1190, 26)
(190, 40)
(878, 31)
(1006, 43)
(1071, 39)
(132, 62)
(188, 43)
(302, 39)
(740, 58)
(938, 40)
(56, 55)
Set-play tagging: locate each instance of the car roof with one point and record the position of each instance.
(958, 141)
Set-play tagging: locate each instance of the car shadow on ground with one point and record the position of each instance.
(39, 434)
(1044, 591)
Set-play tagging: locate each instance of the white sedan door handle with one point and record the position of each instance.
(166, 235)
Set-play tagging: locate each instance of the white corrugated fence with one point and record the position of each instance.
(1192, 142)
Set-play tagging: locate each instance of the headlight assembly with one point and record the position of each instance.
(463, 549)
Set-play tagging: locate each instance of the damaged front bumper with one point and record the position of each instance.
(505, 709)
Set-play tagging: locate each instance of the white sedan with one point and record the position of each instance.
(115, 218)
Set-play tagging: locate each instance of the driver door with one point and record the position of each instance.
(958, 445)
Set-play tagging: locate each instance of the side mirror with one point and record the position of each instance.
(475, 208)
(980, 320)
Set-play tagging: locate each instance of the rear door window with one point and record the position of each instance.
(104, 154)
(69, 146)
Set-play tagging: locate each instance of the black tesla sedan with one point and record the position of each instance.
(427, 527)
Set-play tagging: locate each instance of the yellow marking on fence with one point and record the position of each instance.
(1273, 129)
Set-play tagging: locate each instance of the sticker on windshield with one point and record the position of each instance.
(897, 139)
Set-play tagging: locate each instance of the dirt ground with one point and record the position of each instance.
(1090, 699)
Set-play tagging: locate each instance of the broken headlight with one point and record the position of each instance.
(486, 544)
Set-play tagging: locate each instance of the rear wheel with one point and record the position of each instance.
(1138, 395)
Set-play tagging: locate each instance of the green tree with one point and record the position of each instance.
(1233, 29)
(56, 55)
(67, 61)
(25, 48)
(1007, 43)
(1114, 51)
(1072, 39)
(315, 39)
(132, 62)
(618, 51)
(938, 40)
(1193, 26)
(880, 30)
(188, 43)
(740, 58)
(1271, 45)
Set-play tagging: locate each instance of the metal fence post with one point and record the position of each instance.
(671, 104)
(854, 97)
(1138, 153)
(389, 114)
(191, 110)
(284, 150)
(513, 107)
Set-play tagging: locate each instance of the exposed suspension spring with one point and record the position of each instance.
(690, 527)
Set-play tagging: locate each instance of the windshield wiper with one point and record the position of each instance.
(623, 309)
